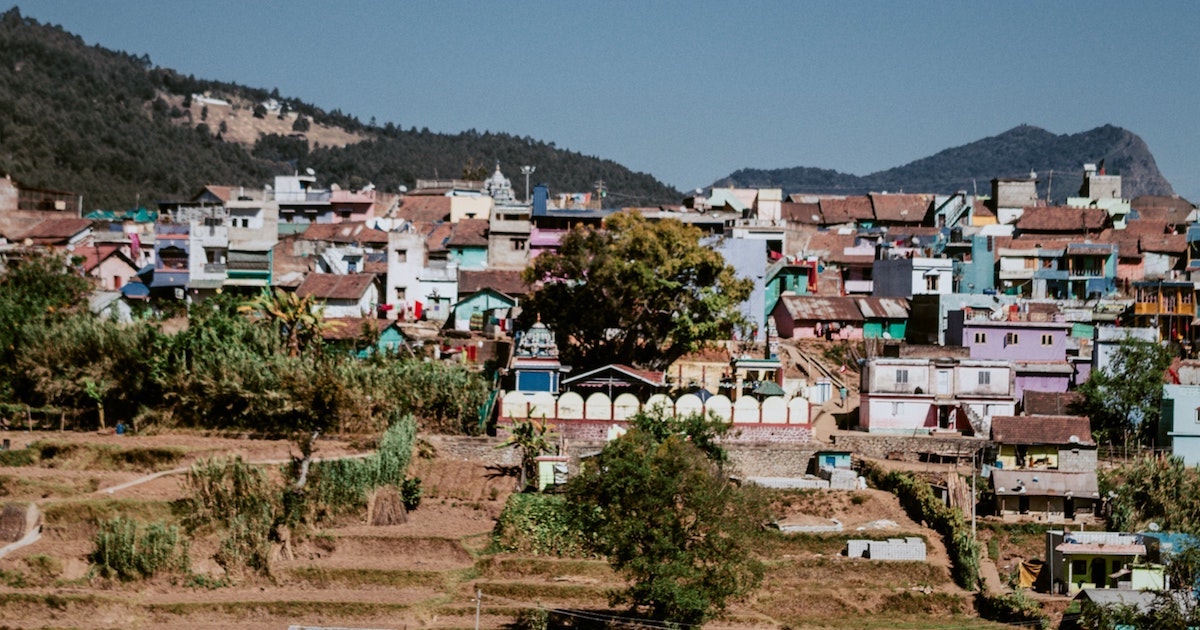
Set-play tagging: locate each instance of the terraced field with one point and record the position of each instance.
(421, 574)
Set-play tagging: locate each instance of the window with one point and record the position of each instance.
(1197, 415)
(519, 244)
(402, 255)
(1047, 340)
(1011, 339)
(901, 376)
(1079, 568)
(931, 283)
(980, 337)
(985, 378)
(401, 294)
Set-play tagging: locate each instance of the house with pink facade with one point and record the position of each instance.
(922, 396)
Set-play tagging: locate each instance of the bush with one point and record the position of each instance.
(126, 551)
(1013, 608)
(537, 524)
(238, 500)
(410, 493)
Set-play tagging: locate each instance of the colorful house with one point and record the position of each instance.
(1038, 349)
(486, 310)
(1082, 560)
(922, 396)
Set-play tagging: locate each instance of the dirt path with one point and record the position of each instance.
(992, 583)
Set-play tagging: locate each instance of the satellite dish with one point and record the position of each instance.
(1074, 439)
(1153, 527)
(310, 171)
(403, 189)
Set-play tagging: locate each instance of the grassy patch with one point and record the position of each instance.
(321, 577)
(517, 568)
(918, 603)
(848, 573)
(89, 512)
(281, 609)
(18, 457)
(76, 456)
(528, 592)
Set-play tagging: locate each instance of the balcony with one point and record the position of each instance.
(214, 268)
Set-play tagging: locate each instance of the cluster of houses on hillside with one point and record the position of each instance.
(978, 315)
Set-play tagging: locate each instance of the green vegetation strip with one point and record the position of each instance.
(75, 512)
(326, 577)
(922, 505)
(283, 608)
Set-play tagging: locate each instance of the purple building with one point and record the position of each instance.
(1037, 349)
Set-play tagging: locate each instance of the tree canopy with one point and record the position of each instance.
(1124, 400)
(670, 521)
(637, 292)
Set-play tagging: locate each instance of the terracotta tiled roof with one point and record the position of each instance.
(52, 230)
(435, 240)
(349, 232)
(836, 210)
(1164, 244)
(1062, 219)
(330, 286)
(505, 281)
(422, 208)
(900, 208)
(1145, 226)
(93, 256)
(344, 328)
(1173, 210)
(828, 245)
(469, 233)
(1126, 242)
(224, 193)
(1038, 403)
(801, 212)
(1041, 430)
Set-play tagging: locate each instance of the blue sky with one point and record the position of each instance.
(691, 91)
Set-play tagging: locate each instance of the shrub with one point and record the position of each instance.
(410, 493)
(235, 498)
(126, 551)
(1013, 608)
(537, 524)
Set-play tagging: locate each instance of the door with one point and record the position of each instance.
(943, 382)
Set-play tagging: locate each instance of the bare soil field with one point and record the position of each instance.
(423, 573)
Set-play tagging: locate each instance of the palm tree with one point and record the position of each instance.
(533, 439)
(300, 320)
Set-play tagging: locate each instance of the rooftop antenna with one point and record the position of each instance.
(1049, 187)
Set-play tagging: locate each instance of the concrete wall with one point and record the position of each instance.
(905, 447)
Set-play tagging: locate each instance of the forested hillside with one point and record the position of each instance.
(118, 130)
(1057, 159)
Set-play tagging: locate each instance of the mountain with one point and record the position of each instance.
(1057, 159)
(120, 131)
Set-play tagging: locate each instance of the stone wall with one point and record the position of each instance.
(1077, 460)
(908, 447)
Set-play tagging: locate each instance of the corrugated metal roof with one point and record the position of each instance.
(824, 309)
(883, 308)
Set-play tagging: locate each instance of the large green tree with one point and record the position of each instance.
(637, 292)
(671, 522)
(1124, 400)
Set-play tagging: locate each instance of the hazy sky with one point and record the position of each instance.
(690, 91)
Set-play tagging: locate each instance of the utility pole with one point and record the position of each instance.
(527, 171)
(478, 603)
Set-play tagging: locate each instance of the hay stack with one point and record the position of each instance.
(387, 508)
(17, 520)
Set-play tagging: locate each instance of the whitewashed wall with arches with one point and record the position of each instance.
(599, 407)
